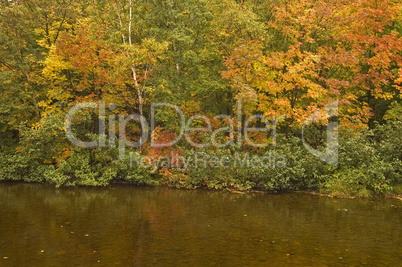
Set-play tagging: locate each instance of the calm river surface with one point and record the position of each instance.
(119, 225)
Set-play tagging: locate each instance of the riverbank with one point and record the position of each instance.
(390, 195)
(369, 164)
(373, 195)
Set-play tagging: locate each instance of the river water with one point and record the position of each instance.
(122, 225)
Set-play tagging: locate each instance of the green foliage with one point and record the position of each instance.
(97, 167)
(370, 162)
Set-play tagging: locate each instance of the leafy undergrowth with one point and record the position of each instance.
(369, 165)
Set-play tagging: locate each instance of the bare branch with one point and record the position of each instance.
(121, 23)
(129, 25)
(7, 65)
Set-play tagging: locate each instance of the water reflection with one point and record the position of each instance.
(44, 226)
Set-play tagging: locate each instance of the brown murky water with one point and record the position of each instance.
(44, 226)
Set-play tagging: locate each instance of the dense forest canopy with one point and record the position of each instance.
(279, 58)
